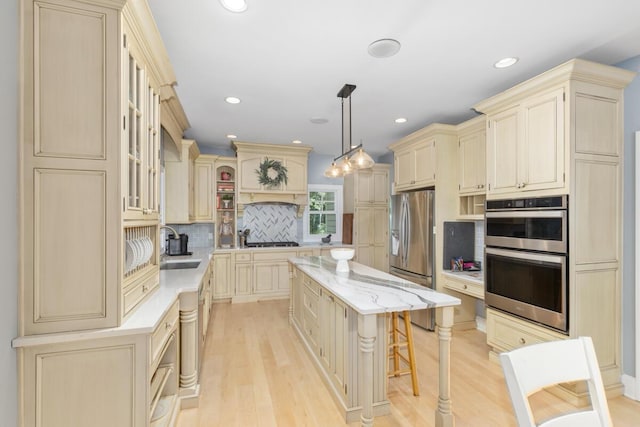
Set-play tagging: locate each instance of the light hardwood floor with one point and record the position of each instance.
(256, 373)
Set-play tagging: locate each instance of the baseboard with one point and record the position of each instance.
(629, 384)
(481, 324)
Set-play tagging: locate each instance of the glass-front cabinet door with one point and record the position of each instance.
(141, 125)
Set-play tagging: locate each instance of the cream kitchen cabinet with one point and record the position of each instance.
(414, 165)
(561, 133)
(294, 159)
(366, 195)
(526, 145)
(89, 162)
(204, 171)
(124, 380)
(180, 170)
(328, 328)
(472, 167)
(223, 286)
(367, 186)
(262, 274)
(371, 236)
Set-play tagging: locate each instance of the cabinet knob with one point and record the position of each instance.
(145, 288)
(465, 286)
(167, 325)
(523, 341)
(413, 182)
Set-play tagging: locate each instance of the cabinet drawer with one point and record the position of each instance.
(310, 301)
(467, 287)
(311, 285)
(243, 257)
(273, 256)
(311, 330)
(306, 252)
(137, 292)
(506, 333)
(163, 330)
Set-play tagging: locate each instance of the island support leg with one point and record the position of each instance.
(367, 329)
(444, 320)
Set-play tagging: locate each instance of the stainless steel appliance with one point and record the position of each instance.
(526, 258)
(179, 246)
(412, 244)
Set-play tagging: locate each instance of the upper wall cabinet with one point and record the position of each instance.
(472, 169)
(90, 101)
(526, 145)
(250, 158)
(180, 174)
(415, 156)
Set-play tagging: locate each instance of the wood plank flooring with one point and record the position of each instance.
(256, 373)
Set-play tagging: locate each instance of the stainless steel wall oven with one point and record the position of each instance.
(526, 259)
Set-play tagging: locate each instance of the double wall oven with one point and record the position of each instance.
(526, 259)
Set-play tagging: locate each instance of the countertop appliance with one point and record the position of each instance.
(526, 259)
(179, 246)
(412, 244)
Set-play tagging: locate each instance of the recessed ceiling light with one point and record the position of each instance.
(401, 120)
(234, 5)
(232, 100)
(318, 120)
(384, 48)
(230, 136)
(296, 141)
(505, 62)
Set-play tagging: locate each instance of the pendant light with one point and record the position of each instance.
(352, 157)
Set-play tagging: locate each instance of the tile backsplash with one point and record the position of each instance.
(271, 222)
(199, 234)
(478, 249)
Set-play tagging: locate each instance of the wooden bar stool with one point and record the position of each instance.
(395, 344)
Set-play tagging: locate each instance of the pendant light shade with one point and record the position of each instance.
(362, 160)
(333, 171)
(344, 164)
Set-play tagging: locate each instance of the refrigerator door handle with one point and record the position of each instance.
(406, 253)
(405, 235)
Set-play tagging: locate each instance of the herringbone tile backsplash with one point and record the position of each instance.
(271, 222)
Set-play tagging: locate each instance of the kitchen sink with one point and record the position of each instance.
(179, 265)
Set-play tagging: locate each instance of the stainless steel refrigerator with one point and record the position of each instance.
(412, 244)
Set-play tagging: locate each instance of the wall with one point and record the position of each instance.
(631, 125)
(8, 213)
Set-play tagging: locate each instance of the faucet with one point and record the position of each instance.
(176, 235)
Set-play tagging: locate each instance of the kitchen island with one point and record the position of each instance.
(340, 318)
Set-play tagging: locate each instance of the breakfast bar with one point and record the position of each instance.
(349, 349)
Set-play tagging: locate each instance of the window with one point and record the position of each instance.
(323, 214)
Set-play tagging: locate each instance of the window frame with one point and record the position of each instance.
(314, 188)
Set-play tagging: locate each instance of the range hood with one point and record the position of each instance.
(252, 157)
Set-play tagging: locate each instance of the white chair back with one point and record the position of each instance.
(532, 368)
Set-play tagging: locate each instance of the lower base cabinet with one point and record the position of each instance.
(129, 380)
(329, 330)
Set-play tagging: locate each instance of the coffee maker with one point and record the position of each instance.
(177, 246)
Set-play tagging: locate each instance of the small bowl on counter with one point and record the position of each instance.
(342, 255)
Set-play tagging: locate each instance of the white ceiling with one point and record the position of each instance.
(287, 59)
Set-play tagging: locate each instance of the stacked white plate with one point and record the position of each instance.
(137, 252)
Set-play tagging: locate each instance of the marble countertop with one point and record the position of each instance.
(302, 245)
(370, 291)
(146, 317)
(472, 276)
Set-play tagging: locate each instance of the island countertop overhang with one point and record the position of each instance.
(370, 291)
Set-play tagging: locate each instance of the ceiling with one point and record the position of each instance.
(287, 59)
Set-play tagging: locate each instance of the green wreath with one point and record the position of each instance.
(271, 173)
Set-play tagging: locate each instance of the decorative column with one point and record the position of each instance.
(367, 328)
(444, 320)
(189, 348)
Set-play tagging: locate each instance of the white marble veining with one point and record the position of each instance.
(370, 291)
(146, 317)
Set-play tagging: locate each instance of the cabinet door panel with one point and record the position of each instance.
(204, 191)
(248, 176)
(502, 152)
(222, 285)
(380, 191)
(425, 163)
(244, 278)
(542, 157)
(471, 153)
(404, 168)
(296, 175)
(379, 232)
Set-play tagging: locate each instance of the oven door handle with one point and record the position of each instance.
(526, 214)
(527, 256)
